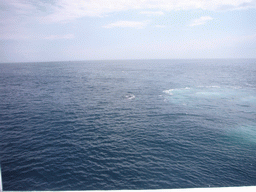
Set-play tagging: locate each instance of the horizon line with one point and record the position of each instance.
(52, 61)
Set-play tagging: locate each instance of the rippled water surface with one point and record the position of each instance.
(145, 124)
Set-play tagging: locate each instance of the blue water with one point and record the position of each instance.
(139, 124)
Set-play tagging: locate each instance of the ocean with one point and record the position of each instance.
(132, 124)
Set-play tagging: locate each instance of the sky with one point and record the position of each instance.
(68, 30)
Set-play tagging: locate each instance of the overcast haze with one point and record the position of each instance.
(60, 30)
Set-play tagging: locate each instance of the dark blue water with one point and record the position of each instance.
(146, 124)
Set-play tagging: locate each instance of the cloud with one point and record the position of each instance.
(16, 16)
(160, 26)
(152, 13)
(133, 24)
(19, 36)
(200, 21)
(55, 37)
(67, 10)
(18, 6)
(15, 36)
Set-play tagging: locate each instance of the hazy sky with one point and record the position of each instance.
(58, 30)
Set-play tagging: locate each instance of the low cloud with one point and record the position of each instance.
(160, 26)
(67, 10)
(152, 13)
(18, 36)
(132, 24)
(200, 21)
(55, 37)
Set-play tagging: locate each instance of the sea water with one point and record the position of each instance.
(137, 124)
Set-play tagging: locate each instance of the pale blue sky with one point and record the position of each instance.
(59, 30)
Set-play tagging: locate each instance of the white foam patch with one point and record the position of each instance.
(250, 98)
(168, 91)
(130, 96)
(209, 93)
(218, 102)
(203, 94)
(178, 91)
(246, 133)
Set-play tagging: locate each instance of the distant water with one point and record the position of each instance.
(141, 124)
